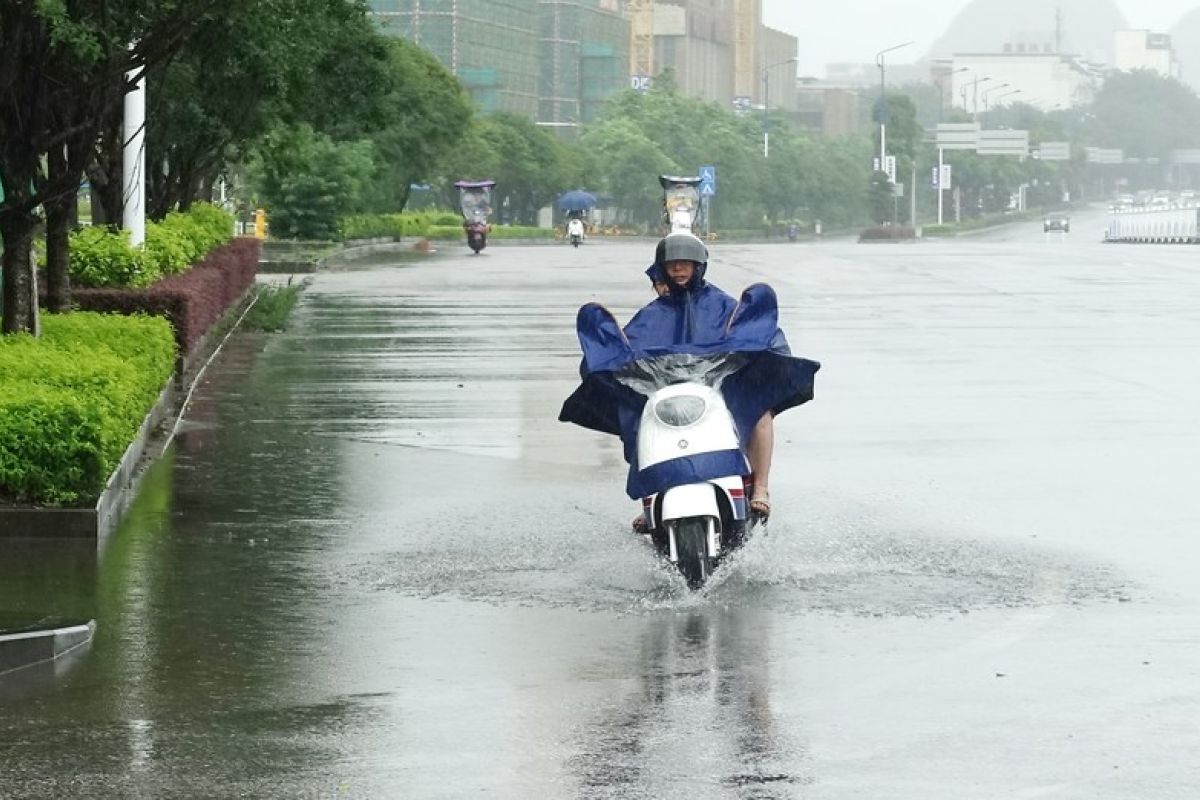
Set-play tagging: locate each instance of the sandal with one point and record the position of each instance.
(761, 506)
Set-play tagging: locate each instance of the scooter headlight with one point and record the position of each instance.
(680, 411)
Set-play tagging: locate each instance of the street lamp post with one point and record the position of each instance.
(883, 115)
(975, 94)
(942, 89)
(987, 91)
(766, 79)
(1007, 94)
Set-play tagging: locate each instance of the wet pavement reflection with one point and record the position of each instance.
(374, 565)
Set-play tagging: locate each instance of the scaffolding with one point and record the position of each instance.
(584, 48)
(491, 45)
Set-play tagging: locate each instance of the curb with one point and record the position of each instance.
(22, 650)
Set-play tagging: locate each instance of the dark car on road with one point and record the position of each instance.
(1056, 222)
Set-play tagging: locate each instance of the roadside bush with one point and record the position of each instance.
(103, 257)
(72, 401)
(396, 226)
(887, 233)
(192, 301)
(451, 232)
(937, 231)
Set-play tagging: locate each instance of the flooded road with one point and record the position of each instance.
(375, 565)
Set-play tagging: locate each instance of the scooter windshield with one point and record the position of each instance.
(648, 375)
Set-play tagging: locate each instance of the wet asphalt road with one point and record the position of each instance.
(376, 566)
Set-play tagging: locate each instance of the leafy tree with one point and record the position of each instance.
(1146, 115)
(426, 112)
(308, 181)
(62, 66)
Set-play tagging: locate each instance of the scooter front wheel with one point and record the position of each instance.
(691, 548)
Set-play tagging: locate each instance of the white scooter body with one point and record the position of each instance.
(690, 419)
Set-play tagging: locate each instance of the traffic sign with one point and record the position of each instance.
(1054, 151)
(889, 166)
(1003, 143)
(708, 190)
(708, 181)
(946, 180)
(708, 174)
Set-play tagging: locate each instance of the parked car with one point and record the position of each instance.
(1056, 222)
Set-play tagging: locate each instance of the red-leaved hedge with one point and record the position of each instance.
(194, 300)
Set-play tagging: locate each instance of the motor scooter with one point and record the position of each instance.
(684, 414)
(475, 200)
(476, 235)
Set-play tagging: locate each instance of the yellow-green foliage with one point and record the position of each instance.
(72, 401)
(103, 257)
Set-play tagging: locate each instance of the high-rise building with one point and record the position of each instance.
(491, 45)
(584, 57)
(718, 50)
(693, 39)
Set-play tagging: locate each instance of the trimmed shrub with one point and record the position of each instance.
(72, 401)
(887, 233)
(192, 301)
(451, 232)
(103, 257)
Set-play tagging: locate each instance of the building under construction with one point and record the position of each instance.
(584, 52)
(717, 50)
(557, 61)
(491, 45)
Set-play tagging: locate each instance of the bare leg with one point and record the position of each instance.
(759, 452)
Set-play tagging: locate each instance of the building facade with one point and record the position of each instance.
(490, 45)
(583, 54)
(779, 54)
(1141, 49)
(1047, 81)
(693, 39)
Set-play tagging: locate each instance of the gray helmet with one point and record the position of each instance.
(681, 246)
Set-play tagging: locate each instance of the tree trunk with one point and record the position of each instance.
(60, 220)
(20, 306)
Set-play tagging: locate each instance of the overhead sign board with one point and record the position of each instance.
(957, 135)
(1003, 143)
(1054, 151)
(1105, 155)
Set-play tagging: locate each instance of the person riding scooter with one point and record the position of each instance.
(693, 311)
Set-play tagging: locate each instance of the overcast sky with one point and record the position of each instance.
(854, 30)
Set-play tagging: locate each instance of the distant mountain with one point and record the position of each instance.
(1185, 38)
(986, 26)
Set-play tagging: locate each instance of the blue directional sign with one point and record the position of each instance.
(708, 181)
(708, 190)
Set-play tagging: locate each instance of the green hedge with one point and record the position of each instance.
(72, 401)
(451, 232)
(395, 226)
(102, 257)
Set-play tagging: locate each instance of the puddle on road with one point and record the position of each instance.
(586, 559)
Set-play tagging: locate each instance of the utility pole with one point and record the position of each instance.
(133, 159)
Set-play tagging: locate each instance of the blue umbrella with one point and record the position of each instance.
(577, 200)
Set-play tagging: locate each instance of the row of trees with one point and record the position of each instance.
(328, 113)
(323, 115)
